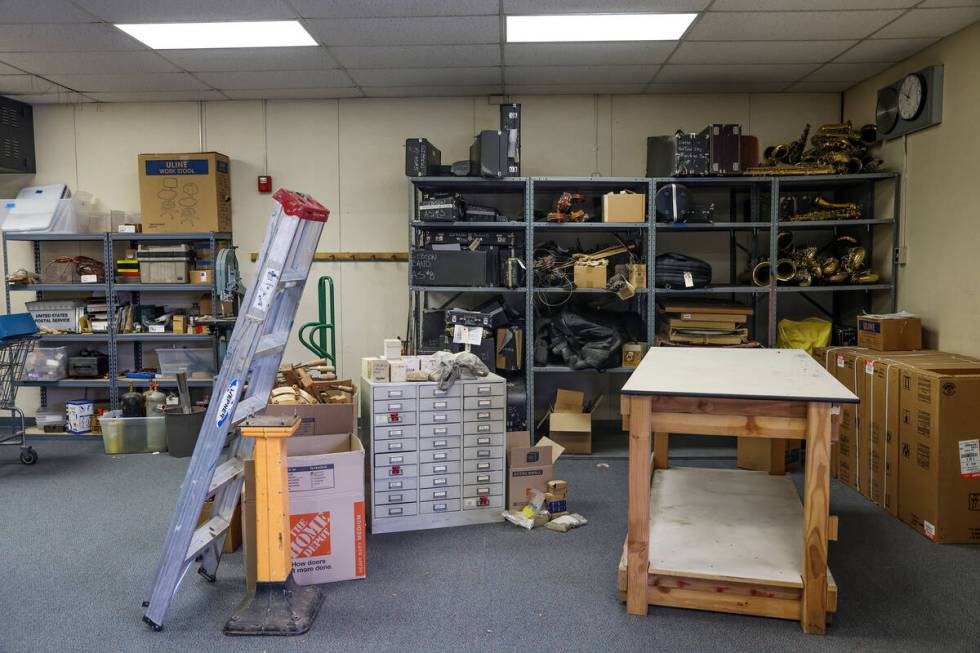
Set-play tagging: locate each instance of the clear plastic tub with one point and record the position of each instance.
(51, 421)
(132, 434)
(46, 364)
(196, 363)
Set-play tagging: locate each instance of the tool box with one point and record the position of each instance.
(165, 263)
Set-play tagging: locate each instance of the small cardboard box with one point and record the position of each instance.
(624, 206)
(201, 276)
(636, 274)
(185, 192)
(753, 453)
(397, 371)
(590, 275)
(179, 323)
(392, 348)
(570, 421)
(528, 468)
(633, 353)
(375, 369)
(894, 332)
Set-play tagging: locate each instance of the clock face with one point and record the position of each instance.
(911, 96)
(886, 113)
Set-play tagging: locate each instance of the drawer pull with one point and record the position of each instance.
(440, 469)
(394, 394)
(395, 459)
(483, 415)
(395, 511)
(483, 427)
(394, 408)
(394, 432)
(483, 478)
(395, 498)
(482, 453)
(440, 495)
(439, 481)
(483, 390)
(440, 405)
(442, 430)
(440, 418)
(482, 466)
(440, 444)
(483, 403)
(483, 440)
(395, 446)
(440, 456)
(483, 490)
(397, 485)
(440, 507)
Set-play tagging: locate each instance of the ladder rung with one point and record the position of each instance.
(247, 408)
(271, 343)
(205, 534)
(225, 473)
(293, 277)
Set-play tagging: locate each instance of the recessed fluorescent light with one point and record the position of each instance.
(574, 28)
(255, 34)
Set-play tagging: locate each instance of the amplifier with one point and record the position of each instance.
(486, 238)
(88, 365)
(440, 208)
(488, 155)
(726, 149)
(510, 125)
(456, 268)
(679, 155)
(474, 213)
(458, 316)
(422, 158)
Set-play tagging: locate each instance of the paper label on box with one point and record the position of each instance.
(688, 280)
(156, 328)
(840, 361)
(127, 228)
(869, 367)
(309, 534)
(265, 290)
(311, 477)
(467, 335)
(88, 278)
(686, 316)
(930, 529)
(970, 458)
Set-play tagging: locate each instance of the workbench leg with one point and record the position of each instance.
(661, 450)
(638, 523)
(816, 515)
(777, 457)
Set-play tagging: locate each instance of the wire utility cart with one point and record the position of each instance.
(13, 354)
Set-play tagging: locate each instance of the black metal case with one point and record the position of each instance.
(456, 268)
(679, 155)
(726, 149)
(488, 155)
(422, 158)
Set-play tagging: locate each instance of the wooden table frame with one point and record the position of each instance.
(774, 419)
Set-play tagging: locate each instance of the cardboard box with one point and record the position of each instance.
(636, 274)
(204, 305)
(893, 332)
(201, 276)
(376, 369)
(392, 348)
(179, 323)
(185, 192)
(234, 539)
(939, 471)
(633, 353)
(591, 275)
(570, 421)
(624, 206)
(753, 453)
(397, 371)
(528, 468)
(318, 419)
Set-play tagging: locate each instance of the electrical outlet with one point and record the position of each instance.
(901, 255)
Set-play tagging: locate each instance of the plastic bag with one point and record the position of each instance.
(806, 334)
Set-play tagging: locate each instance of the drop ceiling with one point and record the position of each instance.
(68, 50)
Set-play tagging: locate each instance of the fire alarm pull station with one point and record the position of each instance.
(265, 183)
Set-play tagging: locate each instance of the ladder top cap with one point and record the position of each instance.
(301, 205)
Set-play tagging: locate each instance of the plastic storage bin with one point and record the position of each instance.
(40, 209)
(132, 434)
(50, 421)
(196, 363)
(46, 364)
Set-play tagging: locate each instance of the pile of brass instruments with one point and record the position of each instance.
(817, 208)
(833, 149)
(842, 261)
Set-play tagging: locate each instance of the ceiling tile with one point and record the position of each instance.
(606, 6)
(931, 22)
(819, 87)
(789, 25)
(52, 98)
(149, 11)
(885, 50)
(292, 93)
(587, 54)
(129, 82)
(462, 30)
(433, 91)
(418, 56)
(730, 52)
(42, 11)
(27, 84)
(426, 76)
(734, 73)
(251, 59)
(700, 87)
(575, 89)
(86, 37)
(812, 5)
(158, 96)
(377, 8)
(276, 79)
(846, 72)
(534, 75)
(45, 63)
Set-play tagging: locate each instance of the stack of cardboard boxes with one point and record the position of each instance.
(704, 322)
(911, 446)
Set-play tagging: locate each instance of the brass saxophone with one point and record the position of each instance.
(829, 211)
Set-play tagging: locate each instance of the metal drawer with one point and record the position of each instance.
(483, 389)
(438, 494)
(477, 478)
(483, 502)
(435, 507)
(484, 490)
(438, 416)
(437, 469)
(488, 440)
(444, 480)
(443, 403)
(398, 496)
(439, 456)
(398, 510)
(395, 484)
(387, 391)
(426, 444)
(394, 406)
(483, 453)
(438, 430)
(407, 444)
(431, 391)
(477, 403)
(385, 432)
(492, 465)
(396, 471)
(470, 428)
(483, 415)
(387, 459)
(387, 419)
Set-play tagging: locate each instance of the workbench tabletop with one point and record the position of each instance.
(774, 374)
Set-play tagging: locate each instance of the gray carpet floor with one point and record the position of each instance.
(81, 532)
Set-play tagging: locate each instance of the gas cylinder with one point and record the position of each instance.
(132, 403)
(154, 400)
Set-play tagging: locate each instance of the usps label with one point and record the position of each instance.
(930, 529)
(465, 335)
(869, 367)
(311, 477)
(970, 458)
(688, 280)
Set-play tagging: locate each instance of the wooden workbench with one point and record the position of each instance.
(730, 540)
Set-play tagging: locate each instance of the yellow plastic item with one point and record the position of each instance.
(806, 334)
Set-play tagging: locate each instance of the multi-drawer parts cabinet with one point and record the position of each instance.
(436, 456)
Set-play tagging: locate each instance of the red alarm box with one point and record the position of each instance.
(265, 183)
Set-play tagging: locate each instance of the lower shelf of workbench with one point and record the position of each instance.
(727, 541)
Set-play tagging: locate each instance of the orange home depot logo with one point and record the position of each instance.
(310, 535)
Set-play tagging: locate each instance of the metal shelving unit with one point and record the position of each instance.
(110, 341)
(753, 204)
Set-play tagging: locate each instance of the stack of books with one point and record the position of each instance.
(703, 322)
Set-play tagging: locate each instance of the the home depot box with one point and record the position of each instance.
(528, 468)
(570, 421)
(939, 472)
(891, 332)
(185, 192)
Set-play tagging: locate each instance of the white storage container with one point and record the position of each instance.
(57, 314)
(132, 434)
(46, 364)
(50, 420)
(40, 209)
(197, 363)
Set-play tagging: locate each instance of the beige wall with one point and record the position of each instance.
(940, 224)
(349, 155)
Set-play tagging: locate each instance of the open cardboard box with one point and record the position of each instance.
(570, 421)
(528, 468)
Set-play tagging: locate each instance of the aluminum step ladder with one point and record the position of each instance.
(242, 389)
